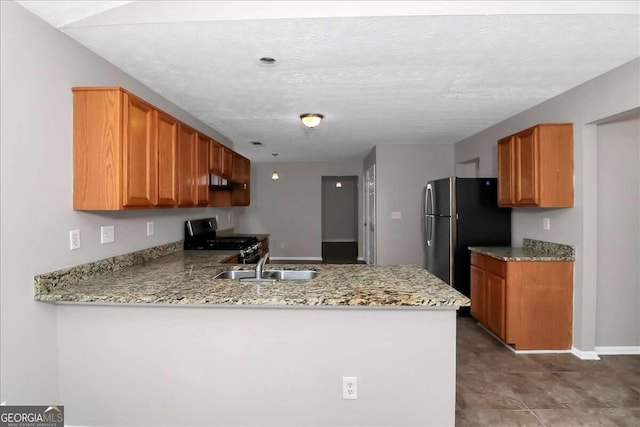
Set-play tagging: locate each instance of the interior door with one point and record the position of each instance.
(370, 215)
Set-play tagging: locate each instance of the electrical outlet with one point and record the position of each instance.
(149, 228)
(229, 216)
(546, 223)
(107, 234)
(74, 240)
(349, 388)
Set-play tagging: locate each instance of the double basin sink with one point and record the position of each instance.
(267, 275)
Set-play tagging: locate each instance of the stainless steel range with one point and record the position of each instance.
(200, 234)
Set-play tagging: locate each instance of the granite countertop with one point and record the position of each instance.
(532, 250)
(186, 277)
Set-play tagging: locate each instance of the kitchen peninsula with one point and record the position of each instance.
(252, 354)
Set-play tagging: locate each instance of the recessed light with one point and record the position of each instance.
(256, 143)
(267, 60)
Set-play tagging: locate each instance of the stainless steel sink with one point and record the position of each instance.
(289, 274)
(235, 274)
(267, 275)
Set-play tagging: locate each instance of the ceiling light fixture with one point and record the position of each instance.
(275, 175)
(267, 60)
(338, 184)
(311, 120)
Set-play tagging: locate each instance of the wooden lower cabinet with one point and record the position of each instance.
(528, 304)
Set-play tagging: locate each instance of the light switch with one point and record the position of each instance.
(396, 215)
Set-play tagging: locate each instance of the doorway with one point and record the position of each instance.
(340, 219)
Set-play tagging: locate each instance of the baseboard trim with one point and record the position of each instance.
(584, 355)
(296, 258)
(361, 258)
(618, 350)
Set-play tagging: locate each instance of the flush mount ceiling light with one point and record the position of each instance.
(338, 184)
(275, 175)
(311, 120)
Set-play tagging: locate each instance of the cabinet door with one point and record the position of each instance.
(202, 170)
(240, 169)
(167, 128)
(140, 153)
(505, 172)
(478, 294)
(227, 163)
(240, 195)
(186, 166)
(527, 167)
(496, 303)
(215, 158)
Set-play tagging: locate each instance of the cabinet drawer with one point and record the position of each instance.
(477, 259)
(495, 266)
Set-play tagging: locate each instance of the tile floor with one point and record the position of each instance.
(496, 387)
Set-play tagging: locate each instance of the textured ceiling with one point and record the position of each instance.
(429, 79)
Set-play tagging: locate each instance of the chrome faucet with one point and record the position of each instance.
(260, 266)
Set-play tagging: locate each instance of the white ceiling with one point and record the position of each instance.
(380, 72)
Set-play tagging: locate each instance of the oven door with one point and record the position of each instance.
(251, 258)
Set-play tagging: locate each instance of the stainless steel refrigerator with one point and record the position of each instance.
(458, 213)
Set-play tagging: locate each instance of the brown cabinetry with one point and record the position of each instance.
(535, 167)
(115, 150)
(187, 146)
(127, 154)
(202, 170)
(526, 303)
(167, 128)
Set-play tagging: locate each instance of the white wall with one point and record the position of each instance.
(402, 172)
(618, 311)
(340, 216)
(39, 66)
(152, 366)
(607, 95)
(290, 209)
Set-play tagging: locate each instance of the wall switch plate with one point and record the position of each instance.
(107, 234)
(350, 388)
(74, 240)
(149, 228)
(396, 215)
(546, 223)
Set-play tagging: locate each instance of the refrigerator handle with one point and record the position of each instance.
(428, 208)
(429, 229)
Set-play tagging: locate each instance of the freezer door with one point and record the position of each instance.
(439, 257)
(439, 197)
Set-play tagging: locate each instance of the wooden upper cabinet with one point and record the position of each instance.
(115, 150)
(227, 163)
(167, 128)
(241, 169)
(187, 149)
(506, 193)
(215, 158)
(202, 170)
(535, 167)
(127, 154)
